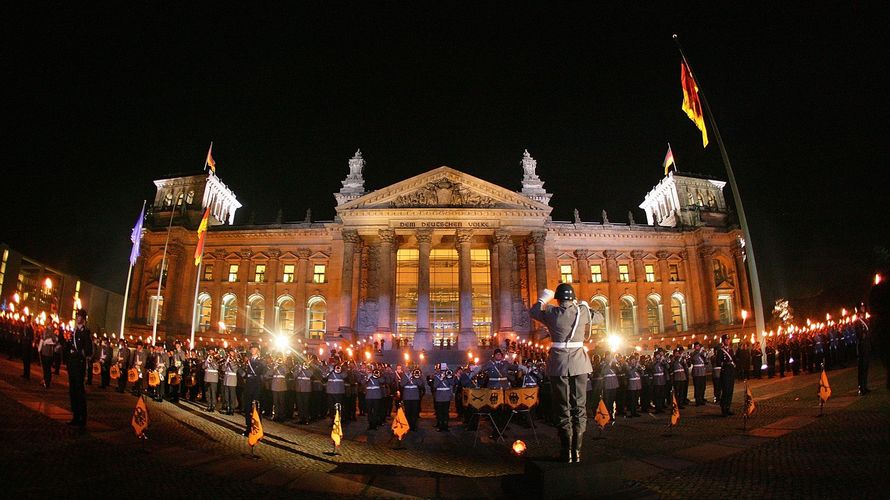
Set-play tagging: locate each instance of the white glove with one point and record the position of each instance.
(546, 296)
(585, 304)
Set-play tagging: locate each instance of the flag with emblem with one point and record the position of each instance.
(209, 163)
(602, 417)
(136, 236)
(140, 417)
(400, 424)
(750, 406)
(256, 428)
(675, 410)
(337, 430)
(691, 103)
(202, 232)
(824, 388)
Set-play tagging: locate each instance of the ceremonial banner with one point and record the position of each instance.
(256, 428)
(140, 417)
(154, 379)
(521, 398)
(749, 401)
(115, 372)
(97, 368)
(691, 104)
(132, 375)
(400, 424)
(337, 430)
(602, 417)
(675, 410)
(824, 388)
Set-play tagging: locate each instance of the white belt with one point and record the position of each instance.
(680, 370)
(611, 375)
(410, 387)
(304, 378)
(501, 378)
(698, 365)
(212, 371)
(335, 380)
(443, 388)
(566, 345)
(635, 378)
(277, 376)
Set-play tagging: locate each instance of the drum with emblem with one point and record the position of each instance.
(132, 375)
(154, 379)
(97, 368)
(114, 373)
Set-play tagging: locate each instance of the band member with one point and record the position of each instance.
(253, 370)
(278, 386)
(568, 366)
(211, 378)
(122, 359)
(411, 390)
(373, 398)
(727, 375)
(442, 386)
(659, 370)
(230, 383)
(698, 359)
(162, 362)
(303, 379)
(105, 357)
(28, 344)
(178, 361)
(335, 387)
(46, 348)
(80, 349)
(681, 382)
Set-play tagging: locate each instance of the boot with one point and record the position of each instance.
(576, 447)
(565, 455)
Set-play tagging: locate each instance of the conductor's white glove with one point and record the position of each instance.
(546, 296)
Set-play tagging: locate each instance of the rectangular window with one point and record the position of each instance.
(596, 273)
(208, 272)
(565, 273)
(233, 273)
(675, 272)
(480, 277)
(260, 274)
(288, 273)
(623, 273)
(650, 273)
(318, 273)
(156, 301)
(406, 292)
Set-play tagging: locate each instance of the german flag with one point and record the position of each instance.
(675, 410)
(691, 103)
(209, 162)
(202, 232)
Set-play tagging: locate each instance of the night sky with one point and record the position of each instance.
(100, 102)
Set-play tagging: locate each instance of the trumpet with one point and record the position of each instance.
(416, 373)
(449, 374)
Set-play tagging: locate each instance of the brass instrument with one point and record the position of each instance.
(416, 373)
(338, 369)
(449, 374)
(376, 373)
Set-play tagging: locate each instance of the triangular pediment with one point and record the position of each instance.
(444, 187)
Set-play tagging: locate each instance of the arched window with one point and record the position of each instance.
(627, 320)
(653, 313)
(712, 201)
(257, 314)
(600, 304)
(179, 199)
(678, 312)
(726, 309)
(202, 312)
(190, 198)
(229, 311)
(168, 199)
(286, 309)
(316, 317)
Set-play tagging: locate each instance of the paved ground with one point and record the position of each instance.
(787, 450)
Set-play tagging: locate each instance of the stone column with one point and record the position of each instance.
(505, 285)
(642, 295)
(741, 271)
(666, 292)
(384, 278)
(271, 290)
(583, 257)
(300, 281)
(612, 276)
(466, 336)
(220, 268)
(538, 238)
(244, 277)
(422, 338)
(350, 240)
(709, 288)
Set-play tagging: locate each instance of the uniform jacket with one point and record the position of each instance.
(559, 321)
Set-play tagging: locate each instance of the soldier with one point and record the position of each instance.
(139, 362)
(715, 378)
(411, 390)
(756, 361)
(723, 357)
(46, 348)
(211, 378)
(123, 364)
(80, 349)
(659, 380)
(178, 362)
(254, 369)
(335, 388)
(162, 361)
(278, 386)
(610, 386)
(28, 344)
(230, 382)
(678, 368)
(698, 360)
(105, 357)
(634, 385)
(373, 397)
(442, 386)
(568, 366)
(303, 379)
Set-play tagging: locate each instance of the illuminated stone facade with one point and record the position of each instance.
(440, 259)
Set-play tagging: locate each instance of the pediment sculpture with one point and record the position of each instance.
(443, 193)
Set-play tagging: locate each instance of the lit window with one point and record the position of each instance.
(565, 273)
(229, 311)
(596, 273)
(3, 266)
(208, 272)
(623, 273)
(675, 272)
(179, 199)
(288, 273)
(260, 275)
(156, 302)
(316, 318)
(650, 273)
(233, 273)
(286, 315)
(318, 273)
(168, 199)
(190, 198)
(257, 316)
(202, 312)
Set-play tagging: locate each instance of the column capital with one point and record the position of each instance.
(387, 235)
(582, 254)
(610, 254)
(683, 254)
(245, 253)
(304, 253)
(424, 235)
(637, 254)
(351, 236)
(538, 237)
(502, 236)
(705, 252)
(219, 254)
(662, 254)
(463, 236)
(274, 253)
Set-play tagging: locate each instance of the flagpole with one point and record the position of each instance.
(154, 328)
(195, 305)
(129, 275)
(743, 221)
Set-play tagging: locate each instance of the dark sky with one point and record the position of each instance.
(99, 102)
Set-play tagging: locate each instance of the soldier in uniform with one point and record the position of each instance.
(105, 356)
(46, 348)
(211, 378)
(660, 371)
(411, 391)
(140, 362)
(715, 377)
(373, 397)
(678, 368)
(80, 349)
(335, 388)
(161, 363)
(27, 345)
(178, 360)
(303, 379)
(634, 385)
(698, 359)
(442, 386)
(610, 386)
(568, 366)
(723, 357)
(278, 386)
(254, 370)
(230, 382)
(123, 364)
